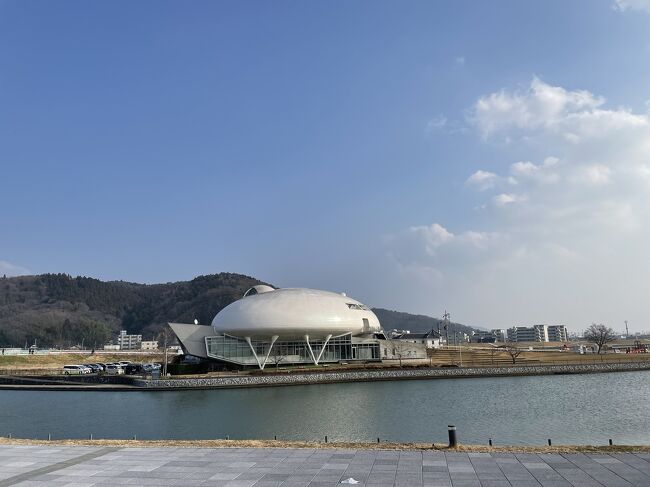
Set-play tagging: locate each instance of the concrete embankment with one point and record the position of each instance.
(324, 377)
(387, 374)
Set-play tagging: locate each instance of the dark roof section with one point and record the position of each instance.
(405, 336)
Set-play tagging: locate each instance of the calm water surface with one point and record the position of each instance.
(570, 409)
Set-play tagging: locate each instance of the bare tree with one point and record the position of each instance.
(600, 335)
(399, 349)
(165, 335)
(513, 351)
(277, 356)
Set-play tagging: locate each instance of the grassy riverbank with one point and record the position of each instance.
(55, 361)
(329, 445)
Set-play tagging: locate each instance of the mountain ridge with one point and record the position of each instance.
(58, 310)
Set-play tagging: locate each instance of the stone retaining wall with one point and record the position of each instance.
(375, 375)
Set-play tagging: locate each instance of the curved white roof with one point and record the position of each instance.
(293, 313)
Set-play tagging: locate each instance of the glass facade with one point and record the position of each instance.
(342, 348)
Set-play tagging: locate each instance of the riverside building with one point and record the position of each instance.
(538, 333)
(286, 326)
(128, 342)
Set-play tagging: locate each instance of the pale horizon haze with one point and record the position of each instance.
(487, 158)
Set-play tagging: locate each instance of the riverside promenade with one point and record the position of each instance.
(58, 465)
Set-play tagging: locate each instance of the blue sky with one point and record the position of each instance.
(485, 157)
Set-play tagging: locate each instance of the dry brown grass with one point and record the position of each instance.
(323, 445)
(56, 361)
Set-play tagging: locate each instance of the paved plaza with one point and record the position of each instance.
(35, 465)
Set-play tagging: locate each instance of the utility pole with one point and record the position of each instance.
(445, 318)
(627, 332)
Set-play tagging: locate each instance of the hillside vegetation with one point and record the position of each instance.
(57, 310)
(397, 320)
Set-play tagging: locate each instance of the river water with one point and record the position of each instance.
(569, 409)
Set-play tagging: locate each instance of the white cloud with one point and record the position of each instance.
(563, 231)
(542, 108)
(504, 199)
(435, 247)
(459, 62)
(596, 174)
(9, 269)
(483, 180)
(623, 5)
(437, 123)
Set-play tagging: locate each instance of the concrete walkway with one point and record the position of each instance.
(31, 465)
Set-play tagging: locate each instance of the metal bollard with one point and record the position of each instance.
(90, 437)
(490, 442)
(49, 437)
(10, 436)
(325, 438)
(610, 442)
(275, 437)
(135, 437)
(378, 440)
(227, 437)
(549, 442)
(453, 440)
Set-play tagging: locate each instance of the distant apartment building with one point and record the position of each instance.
(149, 345)
(501, 334)
(557, 333)
(538, 333)
(535, 333)
(129, 342)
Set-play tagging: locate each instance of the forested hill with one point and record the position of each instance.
(57, 310)
(60, 310)
(391, 320)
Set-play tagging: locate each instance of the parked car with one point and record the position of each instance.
(113, 369)
(149, 368)
(134, 369)
(102, 367)
(93, 367)
(123, 363)
(74, 370)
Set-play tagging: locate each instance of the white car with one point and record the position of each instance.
(113, 369)
(74, 370)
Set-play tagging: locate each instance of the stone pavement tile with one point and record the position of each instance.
(577, 477)
(251, 475)
(603, 474)
(215, 483)
(465, 483)
(636, 462)
(320, 484)
(495, 483)
(242, 483)
(386, 461)
(224, 476)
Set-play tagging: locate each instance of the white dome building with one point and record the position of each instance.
(288, 326)
(290, 314)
